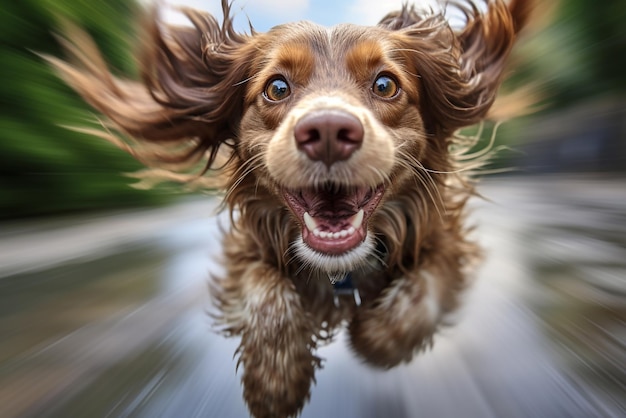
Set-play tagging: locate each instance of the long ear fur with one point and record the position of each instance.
(191, 98)
(460, 71)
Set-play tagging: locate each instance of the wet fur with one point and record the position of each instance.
(199, 101)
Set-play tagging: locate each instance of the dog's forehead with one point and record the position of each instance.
(303, 33)
(315, 51)
(327, 42)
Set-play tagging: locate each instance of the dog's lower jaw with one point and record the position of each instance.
(335, 264)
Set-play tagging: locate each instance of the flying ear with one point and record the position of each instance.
(460, 71)
(190, 98)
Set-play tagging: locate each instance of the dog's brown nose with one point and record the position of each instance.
(329, 136)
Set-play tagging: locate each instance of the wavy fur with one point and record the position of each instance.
(200, 101)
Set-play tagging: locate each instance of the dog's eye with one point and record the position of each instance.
(277, 89)
(385, 87)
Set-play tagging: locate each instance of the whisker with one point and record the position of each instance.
(248, 167)
(425, 179)
(437, 206)
(487, 148)
(378, 256)
(239, 83)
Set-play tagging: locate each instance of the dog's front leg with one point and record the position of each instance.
(277, 342)
(403, 319)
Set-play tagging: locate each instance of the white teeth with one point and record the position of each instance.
(334, 235)
(310, 222)
(357, 220)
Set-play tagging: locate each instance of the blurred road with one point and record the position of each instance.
(105, 317)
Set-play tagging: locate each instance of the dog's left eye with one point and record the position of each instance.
(277, 89)
(385, 86)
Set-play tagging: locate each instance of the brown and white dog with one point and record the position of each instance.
(335, 146)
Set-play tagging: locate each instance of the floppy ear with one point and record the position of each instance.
(190, 99)
(459, 72)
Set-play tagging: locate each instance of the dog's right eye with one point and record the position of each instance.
(277, 89)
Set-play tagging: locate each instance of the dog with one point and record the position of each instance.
(335, 148)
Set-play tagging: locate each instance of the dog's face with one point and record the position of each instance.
(331, 117)
(335, 123)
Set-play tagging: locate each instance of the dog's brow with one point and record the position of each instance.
(364, 58)
(296, 58)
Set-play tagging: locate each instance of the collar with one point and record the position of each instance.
(345, 287)
(342, 282)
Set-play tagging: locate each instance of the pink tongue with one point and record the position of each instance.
(332, 224)
(332, 213)
(329, 206)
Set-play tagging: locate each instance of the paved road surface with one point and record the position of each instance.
(105, 317)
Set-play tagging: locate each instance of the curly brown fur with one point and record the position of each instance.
(334, 148)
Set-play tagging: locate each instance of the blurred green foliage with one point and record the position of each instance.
(576, 59)
(44, 167)
(580, 55)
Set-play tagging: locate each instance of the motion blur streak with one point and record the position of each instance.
(120, 328)
(103, 315)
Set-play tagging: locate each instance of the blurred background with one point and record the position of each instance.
(103, 286)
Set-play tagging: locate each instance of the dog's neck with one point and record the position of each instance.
(344, 287)
(336, 279)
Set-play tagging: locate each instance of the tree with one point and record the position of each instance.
(44, 167)
(580, 55)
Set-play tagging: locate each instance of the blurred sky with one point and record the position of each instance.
(265, 14)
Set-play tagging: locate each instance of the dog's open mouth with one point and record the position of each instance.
(334, 219)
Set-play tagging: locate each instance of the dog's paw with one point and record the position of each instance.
(277, 385)
(277, 345)
(400, 323)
